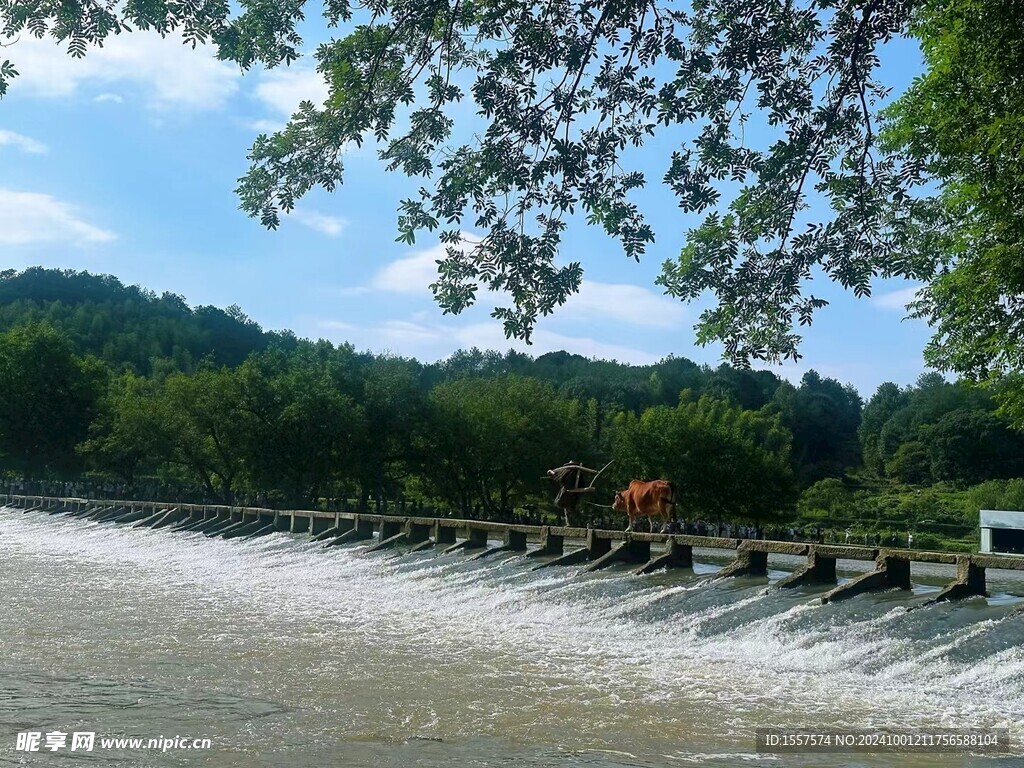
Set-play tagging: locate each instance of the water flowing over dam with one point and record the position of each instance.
(312, 644)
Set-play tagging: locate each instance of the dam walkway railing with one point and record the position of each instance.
(552, 545)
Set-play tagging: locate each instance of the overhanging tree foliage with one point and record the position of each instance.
(564, 91)
(961, 127)
(769, 103)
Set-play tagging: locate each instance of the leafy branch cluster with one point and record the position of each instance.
(564, 91)
(518, 116)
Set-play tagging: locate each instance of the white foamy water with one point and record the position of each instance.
(285, 653)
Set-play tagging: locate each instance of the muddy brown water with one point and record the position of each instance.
(283, 653)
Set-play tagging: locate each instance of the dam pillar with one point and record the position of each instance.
(819, 570)
(190, 518)
(362, 527)
(389, 529)
(299, 523)
(824, 568)
(320, 524)
(392, 532)
(597, 546)
(417, 533)
(476, 538)
(897, 571)
(329, 528)
(359, 529)
(970, 581)
(971, 575)
(748, 562)
(444, 534)
(515, 541)
(550, 544)
(891, 572)
(681, 555)
(512, 541)
(629, 551)
(676, 556)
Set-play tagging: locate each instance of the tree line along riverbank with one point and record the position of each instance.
(114, 387)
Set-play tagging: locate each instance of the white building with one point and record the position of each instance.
(1002, 531)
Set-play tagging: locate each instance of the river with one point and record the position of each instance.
(283, 653)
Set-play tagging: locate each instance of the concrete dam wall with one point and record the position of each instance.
(551, 546)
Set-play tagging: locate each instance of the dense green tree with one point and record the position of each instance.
(882, 406)
(300, 422)
(125, 438)
(567, 91)
(204, 429)
(128, 326)
(724, 462)
(895, 417)
(392, 402)
(48, 397)
(564, 95)
(967, 447)
(493, 439)
(959, 129)
(304, 429)
(823, 416)
(749, 389)
(910, 463)
(828, 498)
(997, 494)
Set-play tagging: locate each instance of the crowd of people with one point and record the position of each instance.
(89, 488)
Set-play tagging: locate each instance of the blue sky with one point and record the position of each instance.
(126, 163)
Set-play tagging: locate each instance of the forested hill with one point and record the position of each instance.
(129, 327)
(133, 329)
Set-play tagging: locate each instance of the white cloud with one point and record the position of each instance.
(616, 302)
(624, 303)
(24, 143)
(427, 341)
(897, 300)
(109, 98)
(331, 226)
(412, 274)
(282, 89)
(166, 72)
(492, 335)
(266, 126)
(337, 325)
(30, 217)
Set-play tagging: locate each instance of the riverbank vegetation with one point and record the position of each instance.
(141, 395)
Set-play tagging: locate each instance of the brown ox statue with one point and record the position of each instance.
(650, 499)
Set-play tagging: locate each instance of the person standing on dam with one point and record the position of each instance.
(569, 479)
